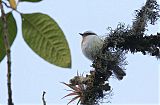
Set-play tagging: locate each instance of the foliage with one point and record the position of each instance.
(111, 60)
(42, 34)
(77, 91)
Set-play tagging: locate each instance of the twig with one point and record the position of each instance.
(7, 48)
(43, 99)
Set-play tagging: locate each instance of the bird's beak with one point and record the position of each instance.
(81, 34)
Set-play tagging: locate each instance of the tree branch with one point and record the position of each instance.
(120, 38)
(7, 48)
(132, 38)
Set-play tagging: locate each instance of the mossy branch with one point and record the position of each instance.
(121, 39)
(133, 38)
(94, 86)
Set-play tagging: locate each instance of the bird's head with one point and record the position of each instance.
(87, 33)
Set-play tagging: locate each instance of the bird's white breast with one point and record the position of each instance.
(91, 46)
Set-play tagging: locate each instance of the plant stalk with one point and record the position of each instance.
(43, 99)
(8, 52)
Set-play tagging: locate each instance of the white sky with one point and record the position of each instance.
(31, 75)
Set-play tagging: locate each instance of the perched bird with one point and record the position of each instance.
(91, 45)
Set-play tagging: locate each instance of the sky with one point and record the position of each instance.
(31, 75)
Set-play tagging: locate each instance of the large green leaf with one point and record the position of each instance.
(45, 37)
(12, 30)
(31, 0)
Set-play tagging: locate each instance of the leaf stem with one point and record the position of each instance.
(8, 51)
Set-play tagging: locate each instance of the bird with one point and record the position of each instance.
(91, 46)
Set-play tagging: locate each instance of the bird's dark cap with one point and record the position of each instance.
(86, 33)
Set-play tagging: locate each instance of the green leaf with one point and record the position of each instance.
(12, 30)
(31, 0)
(45, 37)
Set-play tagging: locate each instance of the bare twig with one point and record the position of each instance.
(7, 48)
(43, 99)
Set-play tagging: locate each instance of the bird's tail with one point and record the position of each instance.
(119, 72)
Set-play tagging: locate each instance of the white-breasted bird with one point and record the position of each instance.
(91, 45)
